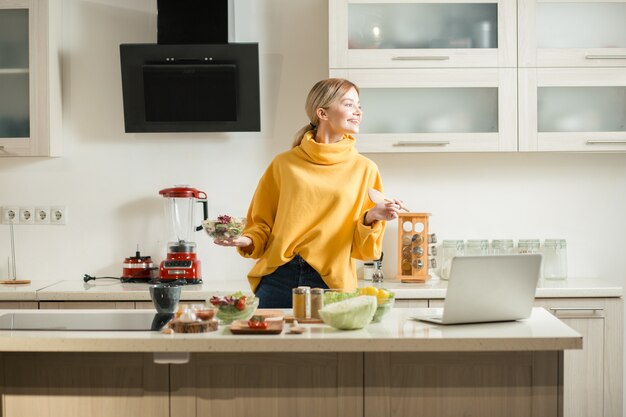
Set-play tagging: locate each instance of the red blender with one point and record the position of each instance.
(181, 262)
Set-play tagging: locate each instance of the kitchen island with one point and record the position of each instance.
(396, 367)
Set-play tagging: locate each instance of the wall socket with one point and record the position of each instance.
(27, 215)
(58, 215)
(55, 215)
(10, 214)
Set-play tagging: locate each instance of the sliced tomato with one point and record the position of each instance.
(240, 304)
(257, 322)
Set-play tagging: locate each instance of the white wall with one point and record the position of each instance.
(109, 180)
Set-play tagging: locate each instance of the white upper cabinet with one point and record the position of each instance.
(436, 110)
(422, 34)
(572, 109)
(30, 96)
(572, 33)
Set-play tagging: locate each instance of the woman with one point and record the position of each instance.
(310, 214)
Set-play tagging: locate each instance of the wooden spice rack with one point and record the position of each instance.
(413, 240)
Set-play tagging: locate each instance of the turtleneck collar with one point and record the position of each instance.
(326, 153)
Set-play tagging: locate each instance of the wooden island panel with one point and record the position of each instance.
(83, 384)
(268, 384)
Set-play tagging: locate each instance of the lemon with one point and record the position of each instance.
(382, 296)
(369, 291)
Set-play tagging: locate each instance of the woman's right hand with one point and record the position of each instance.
(241, 241)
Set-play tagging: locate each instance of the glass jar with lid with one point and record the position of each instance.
(317, 302)
(528, 246)
(301, 302)
(502, 246)
(554, 259)
(477, 247)
(451, 248)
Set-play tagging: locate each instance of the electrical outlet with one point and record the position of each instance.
(27, 215)
(10, 215)
(42, 215)
(58, 215)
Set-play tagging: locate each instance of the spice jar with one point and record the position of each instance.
(368, 271)
(317, 302)
(301, 301)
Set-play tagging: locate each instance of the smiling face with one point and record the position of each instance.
(343, 116)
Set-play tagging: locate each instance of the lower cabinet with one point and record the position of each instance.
(83, 384)
(462, 384)
(593, 375)
(268, 384)
(18, 305)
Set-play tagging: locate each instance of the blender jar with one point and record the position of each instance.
(180, 204)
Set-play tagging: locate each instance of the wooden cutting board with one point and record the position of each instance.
(15, 281)
(290, 319)
(241, 327)
(269, 314)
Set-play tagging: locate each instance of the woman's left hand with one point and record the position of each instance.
(387, 210)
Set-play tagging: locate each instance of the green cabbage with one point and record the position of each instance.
(353, 313)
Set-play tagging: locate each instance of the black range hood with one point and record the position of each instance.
(193, 80)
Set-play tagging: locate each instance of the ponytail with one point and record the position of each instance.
(297, 138)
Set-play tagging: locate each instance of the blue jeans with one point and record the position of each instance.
(274, 291)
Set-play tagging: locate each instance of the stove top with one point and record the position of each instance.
(85, 321)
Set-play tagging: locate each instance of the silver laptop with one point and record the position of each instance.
(489, 288)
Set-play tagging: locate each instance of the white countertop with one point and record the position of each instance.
(109, 290)
(395, 333)
(23, 292)
(569, 288)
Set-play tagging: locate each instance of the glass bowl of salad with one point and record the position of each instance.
(236, 306)
(225, 227)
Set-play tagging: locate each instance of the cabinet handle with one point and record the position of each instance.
(422, 143)
(421, 58)
(557, 309)
(606, 142)
(171, 358)
(591, 56)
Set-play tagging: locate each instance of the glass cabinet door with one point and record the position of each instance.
(587, 33)
(14, 74)
(30, 86)
(572, 109)
(414, 33)
(425, 110)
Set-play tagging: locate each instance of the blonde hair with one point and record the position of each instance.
(323, 95)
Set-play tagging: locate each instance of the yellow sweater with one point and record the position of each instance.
(311, 202)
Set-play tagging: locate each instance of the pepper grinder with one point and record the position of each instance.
(378, 276)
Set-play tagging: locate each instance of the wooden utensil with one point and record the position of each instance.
(378, 197)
